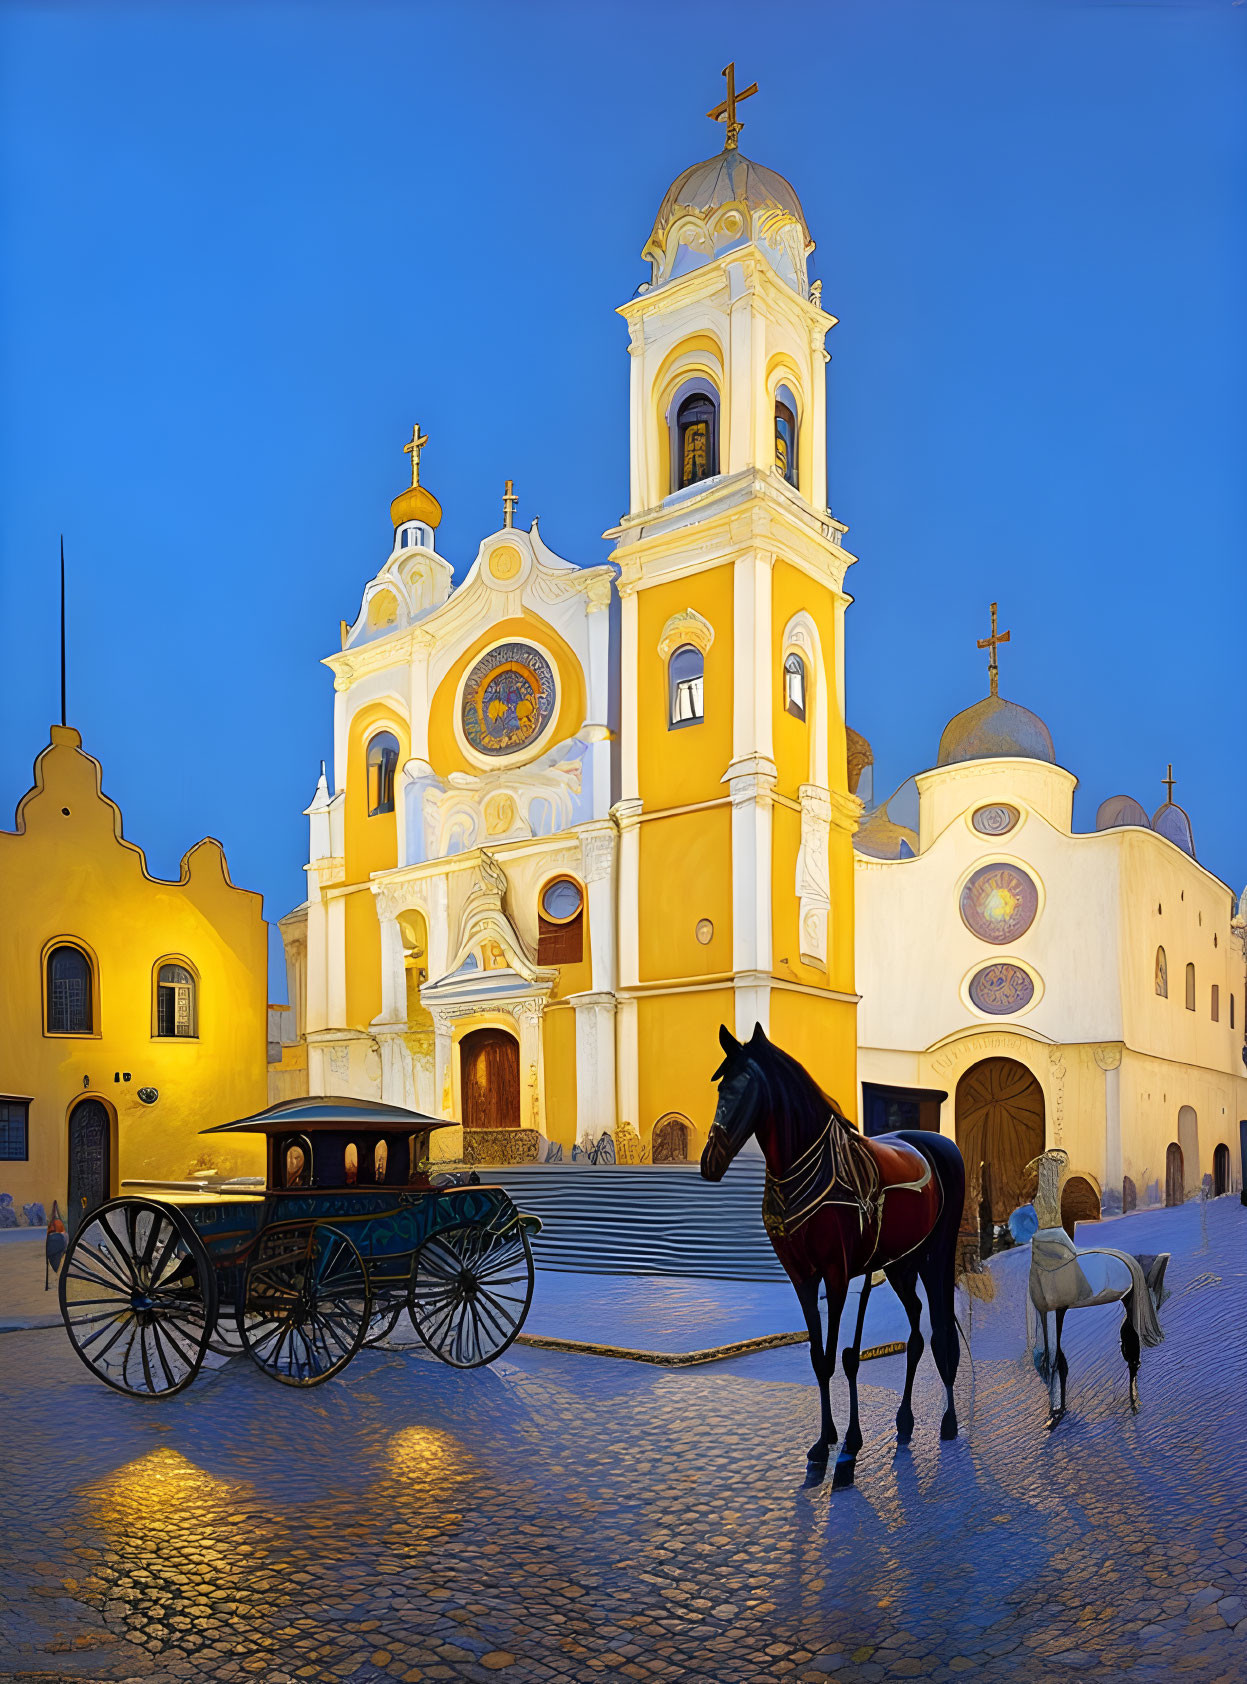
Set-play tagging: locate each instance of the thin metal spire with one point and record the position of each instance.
(62, 628)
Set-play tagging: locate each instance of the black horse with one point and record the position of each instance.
(838, 1205)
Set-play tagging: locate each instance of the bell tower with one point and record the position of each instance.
(735, 819)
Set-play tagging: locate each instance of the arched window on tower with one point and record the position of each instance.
(696, 440)
(382, 764)
(1162, 974)
(70, 990)
(686, 672)
(794, 685)
(786, 434)
(1190, 988)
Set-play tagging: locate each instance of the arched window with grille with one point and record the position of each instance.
(1190, 988)
(794, 685)
(695, 440)
(382, 764)
(176, 1003)
(686, 677)
(786, 434)
(70, 992)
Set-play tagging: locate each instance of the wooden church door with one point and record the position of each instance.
(89, 1160)
(489, 1066)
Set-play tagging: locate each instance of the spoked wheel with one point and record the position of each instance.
(470, 1291)
(139, 1297)
(306, 1304)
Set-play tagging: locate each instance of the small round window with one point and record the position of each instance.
(561, 900)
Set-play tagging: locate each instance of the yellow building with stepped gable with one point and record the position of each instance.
(580, 816)
(132, 1010)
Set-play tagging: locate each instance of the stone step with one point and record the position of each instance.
(647, 1219)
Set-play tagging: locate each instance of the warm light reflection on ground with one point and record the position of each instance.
(423, 1455)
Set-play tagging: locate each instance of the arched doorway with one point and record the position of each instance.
(671, 1140)
(489, 1070)
(1080, 1202)
(90, 1159)
(1220, 1171)
(1000, 1128)
(1175, 1191)
(1129, 1194)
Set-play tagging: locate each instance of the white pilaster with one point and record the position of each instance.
(627, 815)
(595, 1064)
(393, 970)
(818, 422)
(751, 781)
(753, 678)
(629, 731)
(1109, 1060)
(335, 963)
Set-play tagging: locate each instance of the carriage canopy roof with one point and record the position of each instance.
(360, 1116)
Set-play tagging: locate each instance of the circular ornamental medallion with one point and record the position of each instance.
(999, 903)
(995, 821)
(508, 699)
(1002, 988)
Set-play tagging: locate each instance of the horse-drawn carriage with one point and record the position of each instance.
(350, 1230)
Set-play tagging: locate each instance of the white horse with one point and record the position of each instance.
(1068, 1277)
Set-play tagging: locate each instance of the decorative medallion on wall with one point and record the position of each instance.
(1002, 988)
(508, 699)
(505, 562)
(704, 931)
(999, 903)
(995, 821)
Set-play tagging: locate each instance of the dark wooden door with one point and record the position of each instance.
(489, 1067)
(1000, 1128)
(89, 1160)
(1221, 1171)
(670, 1143)
(1175, 1190)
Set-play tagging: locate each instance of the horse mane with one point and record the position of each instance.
(795, 1097)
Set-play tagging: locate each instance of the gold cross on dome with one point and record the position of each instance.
(993, 668)
(1169, 780)
(418, 442)
(726, 113)
(509, 501)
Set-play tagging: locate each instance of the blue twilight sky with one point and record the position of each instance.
(246, 245)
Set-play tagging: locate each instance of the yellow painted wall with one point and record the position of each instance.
(821, 1034)
(679, 1039)
(363, 959)
(444, 750)
(559, 1032)
(679, 767)
(66, 872)
(686, 875)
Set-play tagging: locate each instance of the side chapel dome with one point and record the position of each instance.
(727, 201)
(1120, 810)
(1174, 822)
(995, 729)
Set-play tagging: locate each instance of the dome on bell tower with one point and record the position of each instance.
(728, 201)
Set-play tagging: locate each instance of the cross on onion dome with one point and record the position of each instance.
(1169, 780)
(993, 666)
(417, 444)
(726, 113)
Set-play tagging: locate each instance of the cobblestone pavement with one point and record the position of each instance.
(563, 1517)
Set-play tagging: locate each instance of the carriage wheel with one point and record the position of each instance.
(470, 1291)
(139, 1297)
(306, 1305)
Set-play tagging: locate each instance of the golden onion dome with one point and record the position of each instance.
(416, 503)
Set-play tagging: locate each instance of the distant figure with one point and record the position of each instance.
(54, 1246)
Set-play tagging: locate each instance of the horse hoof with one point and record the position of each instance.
(817, 1453)
(904, 1427)
(948, 1427)
(842, 1473)
(1054, 1418)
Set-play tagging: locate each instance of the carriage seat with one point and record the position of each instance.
(897, 1161)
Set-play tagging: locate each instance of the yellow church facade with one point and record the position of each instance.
(132, 1010)
(580, 816)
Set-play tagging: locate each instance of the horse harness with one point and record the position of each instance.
(839, 1168)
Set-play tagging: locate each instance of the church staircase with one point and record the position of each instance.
(648, 1219)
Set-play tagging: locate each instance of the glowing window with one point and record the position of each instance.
(686, 687)
(696, 440)
(794, 686)
(69, 992)
(175, 1001)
